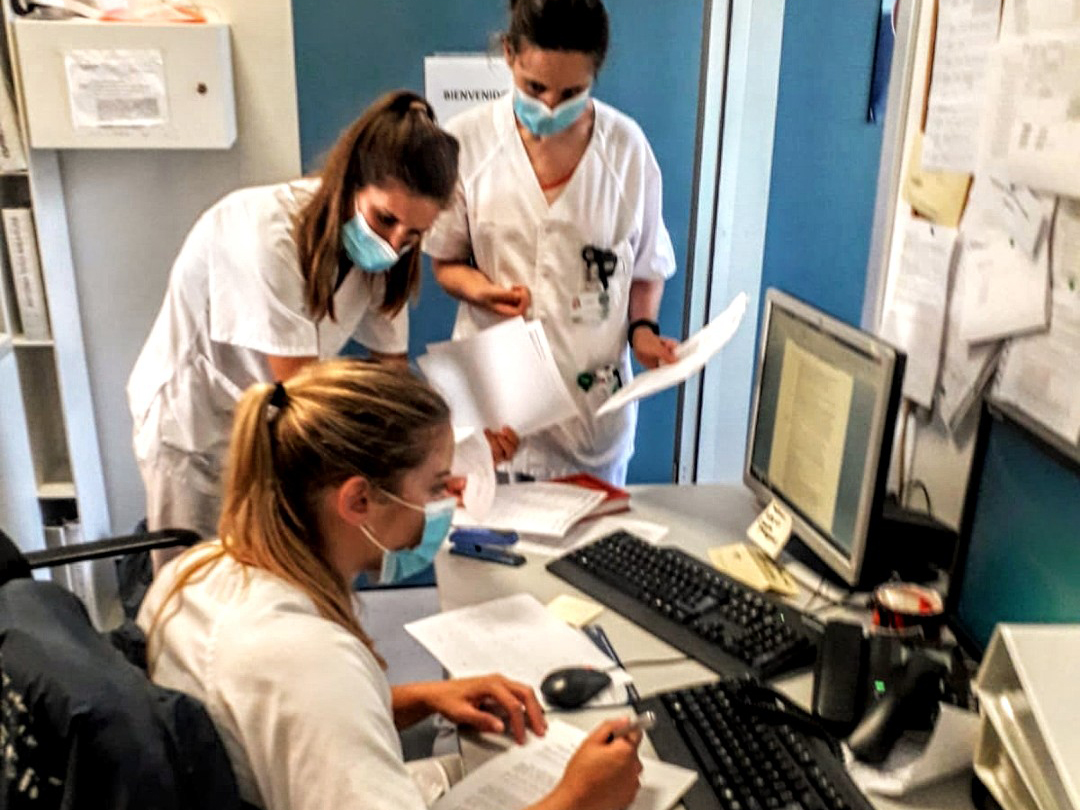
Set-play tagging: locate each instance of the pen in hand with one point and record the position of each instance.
(642, 722)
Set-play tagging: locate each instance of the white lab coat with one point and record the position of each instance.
(235, 296)
(501, 217)
(301, 705)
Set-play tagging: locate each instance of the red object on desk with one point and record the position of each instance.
(615, 500)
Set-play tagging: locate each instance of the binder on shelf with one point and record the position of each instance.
(26, 272)
(12, 152)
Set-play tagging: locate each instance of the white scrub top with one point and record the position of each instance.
(301, 705)
(235, 296)
(501, 218)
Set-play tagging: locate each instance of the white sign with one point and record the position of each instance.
(116, 88)
(454, 83)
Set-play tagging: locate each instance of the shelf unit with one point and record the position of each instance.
(50, 462)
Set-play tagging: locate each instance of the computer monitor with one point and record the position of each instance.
(822, 422)
(1019, 558)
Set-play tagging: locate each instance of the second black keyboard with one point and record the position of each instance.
(728, 627)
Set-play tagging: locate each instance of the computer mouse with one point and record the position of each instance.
(572, 687)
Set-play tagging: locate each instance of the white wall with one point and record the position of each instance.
(128, 213)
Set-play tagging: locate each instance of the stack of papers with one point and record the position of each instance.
(517, 637)
(503, 376)
(544, 508)
(525, 774)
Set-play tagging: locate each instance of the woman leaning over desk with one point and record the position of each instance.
(341, 470)
(273, 278)
(557, 217)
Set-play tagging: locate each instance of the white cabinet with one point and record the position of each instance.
(50, 462)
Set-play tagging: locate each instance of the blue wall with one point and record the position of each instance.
(347, 53)
(825, 156)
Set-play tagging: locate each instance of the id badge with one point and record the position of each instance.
(590, 307)
(599, 384)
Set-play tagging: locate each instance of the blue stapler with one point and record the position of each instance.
(485, 544)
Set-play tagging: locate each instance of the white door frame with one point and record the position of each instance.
(737, 118)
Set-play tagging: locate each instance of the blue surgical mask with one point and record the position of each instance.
(366, 249)
(404, 563)
(543, 121)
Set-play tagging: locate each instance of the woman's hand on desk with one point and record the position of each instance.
(602, 774)
(478, 702)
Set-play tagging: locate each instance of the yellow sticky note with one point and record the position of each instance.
(575, 612)
(938, 196)
(737, 561)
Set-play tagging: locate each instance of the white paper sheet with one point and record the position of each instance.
(474, 463)
(966, 368)
(504, 375)
(1005, 293)
(1037, 374)
(692, 355)
(525, 774)
(915, 314)
(1003, 207)
(966, 30)
(950, 750)
(543, 508)
(589, 530)
(1065, 259)
(116, 88)
(1045, 132)
(1023, 17)
(517, 637)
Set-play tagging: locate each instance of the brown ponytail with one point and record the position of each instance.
(291, 442)
(396, 138)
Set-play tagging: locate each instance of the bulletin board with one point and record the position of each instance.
(977, 232)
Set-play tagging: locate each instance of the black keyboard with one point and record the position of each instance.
(728, 627)
(749, 754)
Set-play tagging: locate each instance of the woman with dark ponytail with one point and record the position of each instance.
(341, 470)
(557, 217)
(273, 278)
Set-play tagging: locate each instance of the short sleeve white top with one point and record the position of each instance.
(235, 296)
(501, 218)
(301, 705)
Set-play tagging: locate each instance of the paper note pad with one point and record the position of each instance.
(526, 773)
(575, 612)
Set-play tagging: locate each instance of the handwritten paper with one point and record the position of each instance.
(915, 313)
(523, 775)
(966, 30)
(589, 530)
(544, 508)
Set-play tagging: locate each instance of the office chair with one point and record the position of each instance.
(81, 725)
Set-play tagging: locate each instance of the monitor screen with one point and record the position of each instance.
(821, 427)
(1021, 558)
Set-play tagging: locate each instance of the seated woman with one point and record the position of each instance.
(341, 470)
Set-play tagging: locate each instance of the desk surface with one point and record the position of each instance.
(699, 517)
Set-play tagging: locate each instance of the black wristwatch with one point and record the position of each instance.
(652, 326)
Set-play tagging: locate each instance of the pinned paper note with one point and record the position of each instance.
(752, 567)
(575, 612)
(771, 530)
(937, 195)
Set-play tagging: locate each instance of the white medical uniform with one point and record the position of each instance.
(501, 218)
(235, 296)
(301, 705)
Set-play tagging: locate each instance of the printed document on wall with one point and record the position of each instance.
(1006, 292)
(1023, 17)
(915, 308)
(966, 368)
(966, 31)
(1065, 256)
(117, 88)
(1038, 373)
(1043, 151)
(1002, 207)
